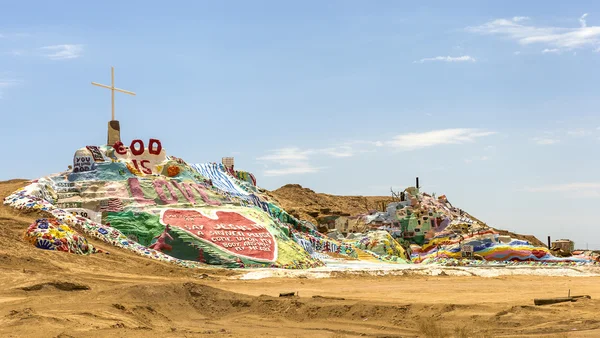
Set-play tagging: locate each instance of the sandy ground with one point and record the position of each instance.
(54, 294)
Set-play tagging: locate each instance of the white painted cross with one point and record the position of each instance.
(112, 89)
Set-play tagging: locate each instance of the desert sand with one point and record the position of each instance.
(120, 294)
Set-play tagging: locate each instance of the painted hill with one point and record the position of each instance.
(126, 196)
(307, 204)
(161, 207)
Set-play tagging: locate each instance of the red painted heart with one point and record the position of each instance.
(231, 232)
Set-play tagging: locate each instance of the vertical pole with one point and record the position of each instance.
(112, 90)
(549, 247)
(417, 183)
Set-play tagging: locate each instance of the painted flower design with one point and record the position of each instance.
(44, 244)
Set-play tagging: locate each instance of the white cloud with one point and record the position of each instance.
(4, 83)
(566, 187)
(363, 142)
(517, 53)
(290, 160)
(16, 52)
(578, 132)
(464, 58)
(582, 20)
(63, 52)
(7, 83)
(295, 160)
(414, 141)
(286, 154)
(553, 37)
(553, 50)
(342, 151)
(13, 35)
(296, 170)
(577, 189)
(544, 141)
(481, 158)
(520, 18)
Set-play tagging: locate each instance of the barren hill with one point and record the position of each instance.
(309, 205)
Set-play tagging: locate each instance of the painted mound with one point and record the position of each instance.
(50, 234)
(438, 232)
(161, 207)
(127, 195)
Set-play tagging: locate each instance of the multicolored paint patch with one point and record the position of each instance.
(50, 234)
(126, 197)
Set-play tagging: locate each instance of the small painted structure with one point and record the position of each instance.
(566, 245)
(228, 162)
(344, 224)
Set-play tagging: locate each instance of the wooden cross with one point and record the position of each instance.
(112, 88)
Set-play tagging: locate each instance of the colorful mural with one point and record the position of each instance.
(161, 207)
(158, 206)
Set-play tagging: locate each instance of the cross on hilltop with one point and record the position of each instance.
(114, 129)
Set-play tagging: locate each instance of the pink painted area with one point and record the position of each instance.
(200, 189)
(158, 187)
(230, 231)
(136, 191)
(186, 191)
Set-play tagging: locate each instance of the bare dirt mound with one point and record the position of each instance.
(309, 205)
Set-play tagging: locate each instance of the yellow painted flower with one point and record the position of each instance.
(56, 233)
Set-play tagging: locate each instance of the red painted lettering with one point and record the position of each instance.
(151, 149)
(143, 163)
(119, 148)
(137, 151)
(137, 193)
(145, 169)
(186, 191)
(158, 186)
(205, 198)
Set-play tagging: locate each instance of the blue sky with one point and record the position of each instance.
(495, 105)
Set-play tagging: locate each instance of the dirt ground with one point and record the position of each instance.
(55, 294)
